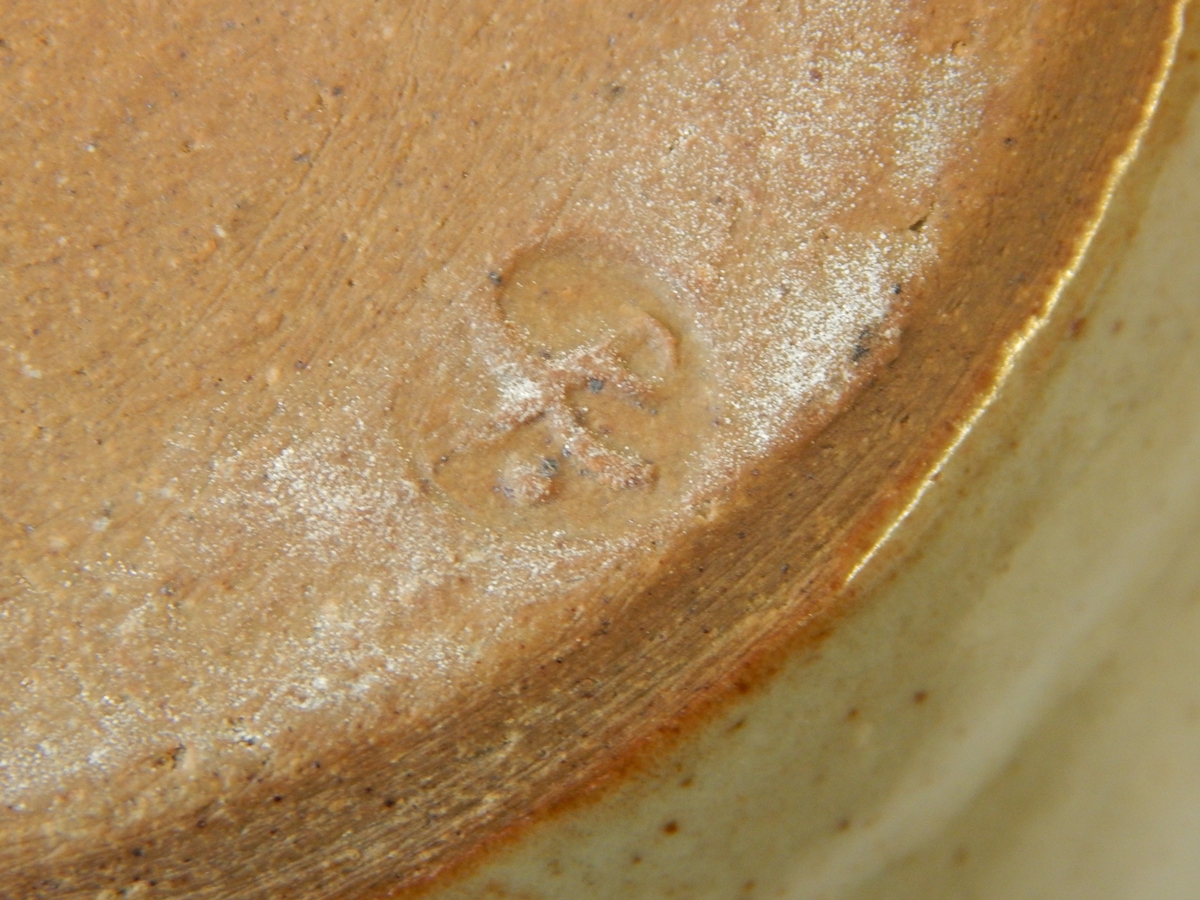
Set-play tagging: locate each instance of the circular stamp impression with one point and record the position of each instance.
(598, 408)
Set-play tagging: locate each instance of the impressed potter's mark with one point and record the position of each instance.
(597, 405)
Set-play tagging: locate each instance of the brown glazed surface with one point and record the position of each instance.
(411, 413)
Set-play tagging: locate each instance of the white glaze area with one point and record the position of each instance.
(351, 590)
(1049, 626)
(1101, 800)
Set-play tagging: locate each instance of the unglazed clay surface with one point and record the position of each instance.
(687, 254)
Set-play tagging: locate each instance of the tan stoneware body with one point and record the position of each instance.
(514, 450)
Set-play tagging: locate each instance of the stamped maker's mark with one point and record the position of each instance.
(596, 400)
(563, 389)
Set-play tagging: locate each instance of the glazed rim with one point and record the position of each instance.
(775, 567)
